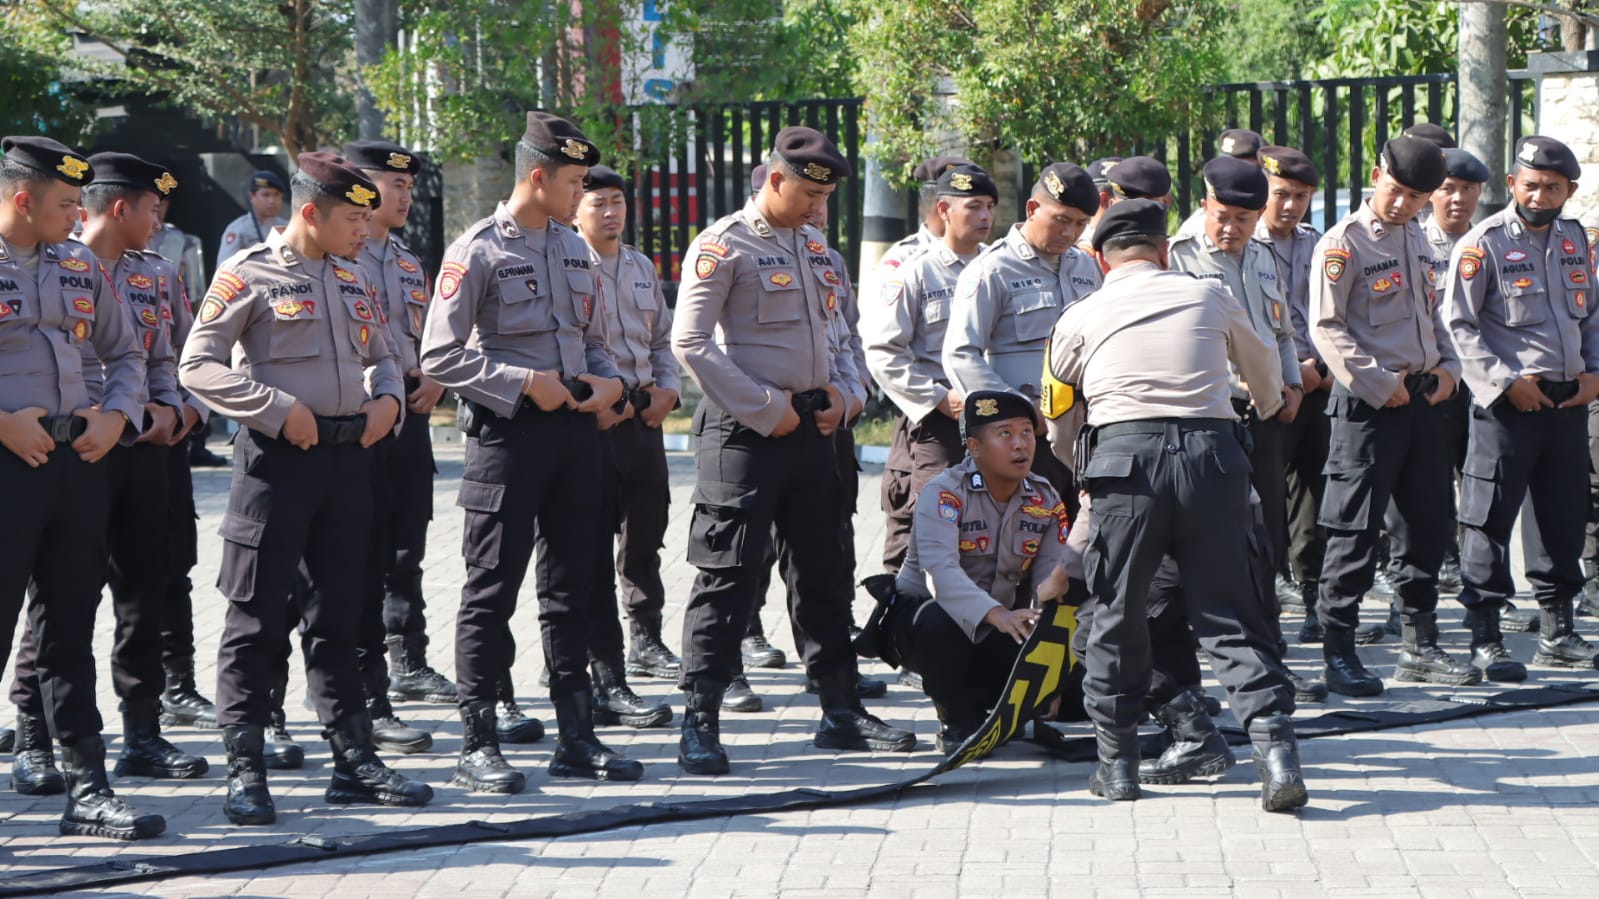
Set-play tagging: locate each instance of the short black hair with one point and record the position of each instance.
(99, 198)
(1123, 242)
(927, 199)
(529, 157)
(15, 177)
(303, 190)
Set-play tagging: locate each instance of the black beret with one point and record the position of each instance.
(758, 178)
(966, 181)
(1431, 133)
(1286, 162)
(53, 158)
(1138, 177)
(382, 156)
(340, 178)
(1417, 164)
(1070, 186)
(811, 155)
(268, 178)
(559, 139)
(1140, 216)
(938, 165)
(1462, 164)
(601, 176)
(984, 406)
(1233, 181)
(1240, 143)
(131, 171)
(1536, 152)
(1097, 168)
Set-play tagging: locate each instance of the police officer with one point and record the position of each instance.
(1096, 172)
(753, 327)
(1234, 143)
(1167, 475)
(1374, 318)
(987, 547)
(1007, 300)
(54, 298)
(119, 218)
(928, 235)
(636, 489)
(177, 246)
(518, 330)
(903, 330)
(315, 387)
(1519, 300)
(264, 201)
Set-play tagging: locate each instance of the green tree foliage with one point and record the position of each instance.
(35, 100)
(1276, 40)
(1407, 37)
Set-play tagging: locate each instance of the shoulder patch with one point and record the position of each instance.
(705, 266)
(210, 309)
(450, 279)
(1471, 259)
(1334, 261)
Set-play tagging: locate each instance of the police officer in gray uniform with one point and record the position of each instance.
(1234, 143)
(1519, 299)
(928, 235)
(753, 327)
(264, 199)
(315, 387)
(55, 297)
(1374, 317)
(1008, 298)
(1164, 466)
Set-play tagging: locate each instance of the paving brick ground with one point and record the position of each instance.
(1506, 805)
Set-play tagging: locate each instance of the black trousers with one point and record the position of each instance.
(1590, 546)
(1536, 457)
(285, 506)
(1177, 488)
(183, 552)
(1268, 475)
(528, 487)
(849, 478)
(635, 498)
(136, 541)
(1304, 460)
(404, 506)
(919, 451)
(1454, 415)
(54, 532)
(747, 483)
(1377, 456)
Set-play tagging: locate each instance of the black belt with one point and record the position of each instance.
(64, 428)
(811, 401)
(341, 429)
(639, 398)
(1159, 426)
(581, 390)
(1558, 391)
(1421, 385)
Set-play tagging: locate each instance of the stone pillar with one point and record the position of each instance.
(1568, 110)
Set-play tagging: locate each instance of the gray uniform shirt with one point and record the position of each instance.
(402, 295)
(896, 256)
(846, 328)
(1156, 344)
(1254, 283)
(54, 300)
(1373, 311)
(968, 551)
(1521, 303)
(144, 290)
(182, 250)
(509, 303)
(1294, 255)
(637, 320)
(307, 331)
(179, 317)
(754, 318)
(1006, 302)
(904, 326)
(243, 233)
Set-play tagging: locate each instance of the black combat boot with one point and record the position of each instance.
(92, 809)
(616, 703)
(700, 751)
(248, 801)
(1519, 621)
(1290, 596)
(281, 753)
(1344, 673)
(511, 725)
(1488, 653)
(8, 739)
(181, 702)
(360, 776)
(1311, 633)
(760, 654)
(410, 676)
(956, 722)
(1421, 660)
(1392, 626)
(865, 687)
(481, 768)
(1449, 577)
(389, 733)
(1305, 689)
(847, 725)
(647, 655)
(739, 697)
(1282, 786)
(33, 768)
(578, 752)
(145, 753)
(1558, 643)
(1116, 775)
(1197, 748)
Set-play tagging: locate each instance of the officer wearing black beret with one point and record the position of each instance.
(1240, 143)
(926, 237)
(1139, 177)
(1431, 133)
(265, 193)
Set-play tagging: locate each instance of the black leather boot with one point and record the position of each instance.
(740, 698)
(1290, 596)
(847, 725)
(1116, 775)
(578, 752)
(510, 724)
(360, 776)
(33, 768)
(145, 753)
(866, 687)
(1421, 660)
(1488, 653)
(648, 655)
(1392, 626)
(92, 809)
(410, 676)
(1344, 673)
(1311, 633)
(1197, 748)
(248, 802)
(389, 733)
(281, 753)
(1519, 621)
(955, 725)
(8, 739)
(481, 768)
(1306, 689)
(1449, 577)
(699, 750)
(181, 702)
(760, 654)
(1558, 643)
(616, 703)
(1282, 785)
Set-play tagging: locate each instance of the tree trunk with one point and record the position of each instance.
(1482, 106)
(376, 30)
